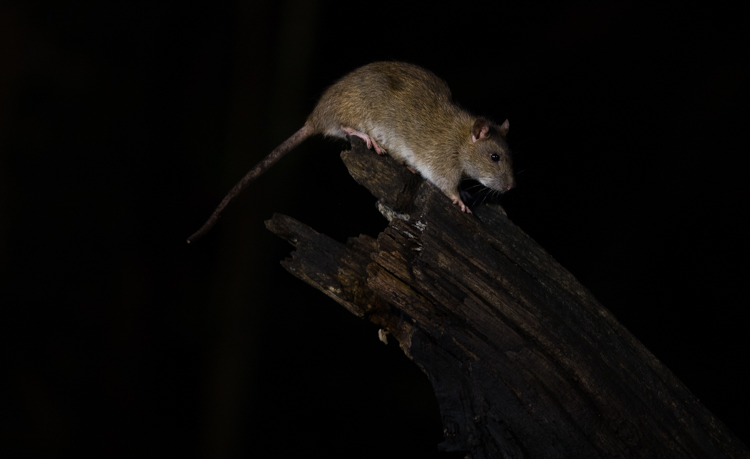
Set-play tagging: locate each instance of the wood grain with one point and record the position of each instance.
(524, 361)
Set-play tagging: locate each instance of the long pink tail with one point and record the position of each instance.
(253, 174)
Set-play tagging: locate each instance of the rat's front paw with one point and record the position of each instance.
(464, 207)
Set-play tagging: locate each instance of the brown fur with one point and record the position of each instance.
(409, 112)
(402, 105)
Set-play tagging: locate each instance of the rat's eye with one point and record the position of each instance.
(495, 157)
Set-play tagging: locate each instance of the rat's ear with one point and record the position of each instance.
(504, 128)
(480, 129)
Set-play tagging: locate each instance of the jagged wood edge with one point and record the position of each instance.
(370, 277)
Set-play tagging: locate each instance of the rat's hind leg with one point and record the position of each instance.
(369, 140)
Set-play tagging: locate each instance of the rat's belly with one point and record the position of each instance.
(395, 145)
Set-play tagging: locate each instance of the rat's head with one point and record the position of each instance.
(487, 158)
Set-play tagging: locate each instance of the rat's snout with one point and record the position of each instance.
(501, 182)
(507, 182)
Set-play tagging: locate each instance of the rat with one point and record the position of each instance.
(408, 112)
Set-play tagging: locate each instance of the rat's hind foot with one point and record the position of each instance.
(378, 149)
(368, 140)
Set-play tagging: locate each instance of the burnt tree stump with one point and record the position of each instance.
(525, 363)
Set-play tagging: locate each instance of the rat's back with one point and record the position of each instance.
(380, 94)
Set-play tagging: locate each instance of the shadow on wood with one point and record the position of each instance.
(524, 361)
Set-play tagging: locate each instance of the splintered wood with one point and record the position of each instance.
(524, 361)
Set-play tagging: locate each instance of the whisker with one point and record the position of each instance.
(485, 196)
(472, 187)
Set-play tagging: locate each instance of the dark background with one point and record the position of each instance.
(123, 123)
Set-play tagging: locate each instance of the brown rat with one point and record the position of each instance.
(408, 112)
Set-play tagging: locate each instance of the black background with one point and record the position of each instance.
(122, 124)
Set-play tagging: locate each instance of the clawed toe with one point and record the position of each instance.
(464, 207)
(371, 143)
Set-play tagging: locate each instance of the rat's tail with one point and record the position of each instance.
(254, 173)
